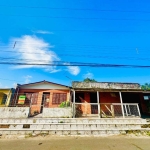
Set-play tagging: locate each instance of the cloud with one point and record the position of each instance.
(88, 75)
(14, 85)
(74, 70)
(27, 78)
(33, 50)
(42, 32)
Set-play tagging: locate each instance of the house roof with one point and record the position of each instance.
(6, 88)
(106, 85)
(44, 81)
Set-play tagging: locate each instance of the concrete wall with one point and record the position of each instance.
(14, 112)
(57, 112)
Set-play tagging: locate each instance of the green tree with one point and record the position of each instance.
(89, 80)
(146, 86)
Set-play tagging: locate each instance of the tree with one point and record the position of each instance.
(89, 80)
(146, 86)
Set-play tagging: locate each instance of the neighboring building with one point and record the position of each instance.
(108, 99)
(6, 95)
(40, 95)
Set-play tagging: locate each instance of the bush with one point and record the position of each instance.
(64, 104)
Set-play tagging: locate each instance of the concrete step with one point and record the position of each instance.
(73, 126)
(77, 120)
(69, 132)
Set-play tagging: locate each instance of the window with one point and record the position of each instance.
(31, 97)
(79, 97)
(58, 98)
(4, 98)
(146, 96)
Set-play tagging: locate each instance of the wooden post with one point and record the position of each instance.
(99, 112)
(74, 103)
(121, 104)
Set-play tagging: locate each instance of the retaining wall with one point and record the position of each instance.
(57, 112)
(14, 112)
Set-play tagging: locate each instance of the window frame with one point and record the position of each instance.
(58, 98)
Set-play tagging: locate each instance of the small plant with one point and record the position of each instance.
(34, 120)
(61, 122)
(36, 112)
(64, 104)
(148, 133)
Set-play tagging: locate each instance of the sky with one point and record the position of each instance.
(83, 31)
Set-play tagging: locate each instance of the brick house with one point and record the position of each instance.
(40, 95)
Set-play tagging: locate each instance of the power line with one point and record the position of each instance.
(76, 55)
(76, 9)
(77, 64)
(83, 18)
(10, 80)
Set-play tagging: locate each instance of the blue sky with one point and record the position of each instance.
(100, 31)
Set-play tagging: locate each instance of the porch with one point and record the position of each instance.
(106, 110)
(104, 104)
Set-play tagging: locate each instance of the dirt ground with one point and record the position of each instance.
(76, 143)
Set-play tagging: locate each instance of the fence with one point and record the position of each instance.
(106, 110)
(85, 109)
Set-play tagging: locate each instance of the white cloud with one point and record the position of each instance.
(42, 32)
(88, 75)
(33, 50)
(27, 78)
(74, 70)
(14, 85)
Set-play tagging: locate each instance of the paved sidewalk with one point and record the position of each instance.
(76, 143)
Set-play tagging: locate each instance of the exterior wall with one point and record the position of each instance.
(45, 86)
(109, 97)
(14, 112)
(104, 97)
(143, 104)
(57, 113)
(37, 107)
(9, 93)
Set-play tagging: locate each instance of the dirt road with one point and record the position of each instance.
(76, 143)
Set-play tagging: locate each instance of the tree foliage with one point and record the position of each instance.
(146, 86)
(89, 80)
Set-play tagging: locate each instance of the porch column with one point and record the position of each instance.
(74, 103)
(121, 104)
(98, 105)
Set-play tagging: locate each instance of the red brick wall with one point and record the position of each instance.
(40, 92)
(105, 97)
(109, 97)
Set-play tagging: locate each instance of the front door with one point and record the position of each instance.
(93, 99)
(45, 100)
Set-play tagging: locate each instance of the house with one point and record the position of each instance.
(6, 95)
(40, 95)
(109, 99)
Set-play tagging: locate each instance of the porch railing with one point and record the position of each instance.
(106, 110)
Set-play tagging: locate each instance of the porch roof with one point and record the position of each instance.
(103, 86)
(110, 90)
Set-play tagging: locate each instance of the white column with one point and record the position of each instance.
(98, 104)
(138, 110)
(121, 104)
(74, 103)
